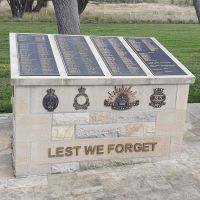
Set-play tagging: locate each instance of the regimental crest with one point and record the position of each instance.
(122, 98)
(50, 100)
(78, 105)
(158, 98)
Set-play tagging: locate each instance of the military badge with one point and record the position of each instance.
(158, 98)
(81, 105)
(50, 100)
(122, 98)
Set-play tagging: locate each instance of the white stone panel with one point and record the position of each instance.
(65, 167)
(70, 118)
(100, 131)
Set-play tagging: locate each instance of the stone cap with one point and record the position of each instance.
(124, 62)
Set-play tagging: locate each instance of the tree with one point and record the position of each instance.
(82, 5)
(197, 8)
(17, 7)
(40, 4)
(67, 15)
(30, 7)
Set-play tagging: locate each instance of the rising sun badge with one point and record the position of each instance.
(121, 98)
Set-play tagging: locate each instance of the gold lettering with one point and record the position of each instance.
(68, 151)
(138, 147)
(100, 149)
(128, 147)
(153, 145)
(49, 153)
(119, 148)
(90, 149)
(77, 149)
(145, 147)
(111, 147)
(60, 152)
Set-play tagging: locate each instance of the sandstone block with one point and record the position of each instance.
(135, 129)
(33, 127)
(170, 122)
(22, 153)
(62, 132)
(149, 129)
(182, 97)
(100, 117)
(22, 100)
(176, 143)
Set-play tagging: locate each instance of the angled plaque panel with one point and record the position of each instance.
(158, 62)
(77, 56)
(117, 58)
(35, 56)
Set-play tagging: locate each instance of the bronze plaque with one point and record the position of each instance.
(117, 58)
(35, 56)
(77, 56)
(158, 62)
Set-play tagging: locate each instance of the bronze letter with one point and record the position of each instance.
(119, 150)
(90, 150)
(49, 153)
(145, 147)
(110, 147)
(128, 147)
(60, 152)
(68, 151)
(77, 149)
(100, 149)
(153, 145)
(138, 147)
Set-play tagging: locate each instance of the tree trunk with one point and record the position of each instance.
(40, 4)
(29, 5)
(67, 16)
(17, 7)
(82, 5)
(197, 8)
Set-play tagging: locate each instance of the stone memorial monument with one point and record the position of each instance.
(81, 101)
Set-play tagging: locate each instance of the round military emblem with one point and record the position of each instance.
(158, 98)
(50, 100)
(81, 100)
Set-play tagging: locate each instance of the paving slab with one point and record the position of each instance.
(167, 180)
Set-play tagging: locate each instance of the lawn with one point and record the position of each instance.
(183, 40)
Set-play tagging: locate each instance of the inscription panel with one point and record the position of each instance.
(117, 58)
(77, 56)
(35, 56)
(99, 149)
(158, 62)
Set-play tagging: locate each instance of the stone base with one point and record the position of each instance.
(68, 139)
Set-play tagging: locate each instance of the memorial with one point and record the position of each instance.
(89, 101)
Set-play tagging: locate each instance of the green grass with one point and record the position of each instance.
(183, 40)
